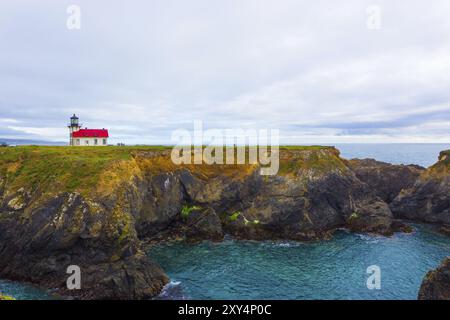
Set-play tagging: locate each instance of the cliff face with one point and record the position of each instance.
(69, 206)
(387, 180)
(314, 193)
(428, 199)
(436, 284)
(53, 214)
(93, 207)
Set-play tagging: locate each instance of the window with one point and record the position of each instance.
(95, 141)
(104, 142)
(87, 142)
(77, 142)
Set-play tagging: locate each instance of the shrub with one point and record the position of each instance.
(251, 222)
(2, 297)
(353, 216)
(186, 211)
(235, 215)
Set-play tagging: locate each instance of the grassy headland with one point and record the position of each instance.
(52, 169)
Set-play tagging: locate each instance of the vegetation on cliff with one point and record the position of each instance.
(440, 169)
(58, 169)
(3, 297)
(51, 170)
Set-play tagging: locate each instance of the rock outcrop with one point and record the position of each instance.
(436, 284)
(428, 199)
(387, 180)
(39, 243)
(93, 208)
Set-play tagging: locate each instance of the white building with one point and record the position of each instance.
(86, 137)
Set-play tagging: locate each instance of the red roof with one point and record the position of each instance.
(91, 133)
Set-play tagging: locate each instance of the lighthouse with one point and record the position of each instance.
(73, 126)
(86, 137)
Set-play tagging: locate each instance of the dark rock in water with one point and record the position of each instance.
(428, 199)
(39, 245)
(445, 229)
(387, 180)
(203, 225)
(400, 226)
(436, 284)
(172, 291)
(373, 216)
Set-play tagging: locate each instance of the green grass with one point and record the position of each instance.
(250, 222)
(187, 210)
(235, 215)
(353, 216)
(2, 297)
(305, 147)
(64, 168)
(53, 169)
(319, 159)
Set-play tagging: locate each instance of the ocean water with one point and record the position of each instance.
(332, 269)
(23, 291)
(424, 154)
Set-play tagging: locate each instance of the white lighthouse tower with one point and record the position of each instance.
(74, 126)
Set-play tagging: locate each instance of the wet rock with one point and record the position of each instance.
(436, 284)
(445, 229)
(373, 216)
(40, 245)
(203, 224)
(400, 226)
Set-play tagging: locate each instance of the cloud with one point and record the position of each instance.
(143, 69)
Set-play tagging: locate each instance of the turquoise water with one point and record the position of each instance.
(395, 153)
(22, 291)
(333, 269)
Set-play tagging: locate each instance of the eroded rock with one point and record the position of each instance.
(436, 284)
(428, 199)
(387, 180)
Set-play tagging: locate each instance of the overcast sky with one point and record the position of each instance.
(312, 69)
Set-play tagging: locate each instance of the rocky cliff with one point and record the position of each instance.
(92, 207)
(428, 199)
(436, 284)
(385, 179)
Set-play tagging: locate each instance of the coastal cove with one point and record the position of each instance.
(325, 269)
(287, 270)
(238, 235)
